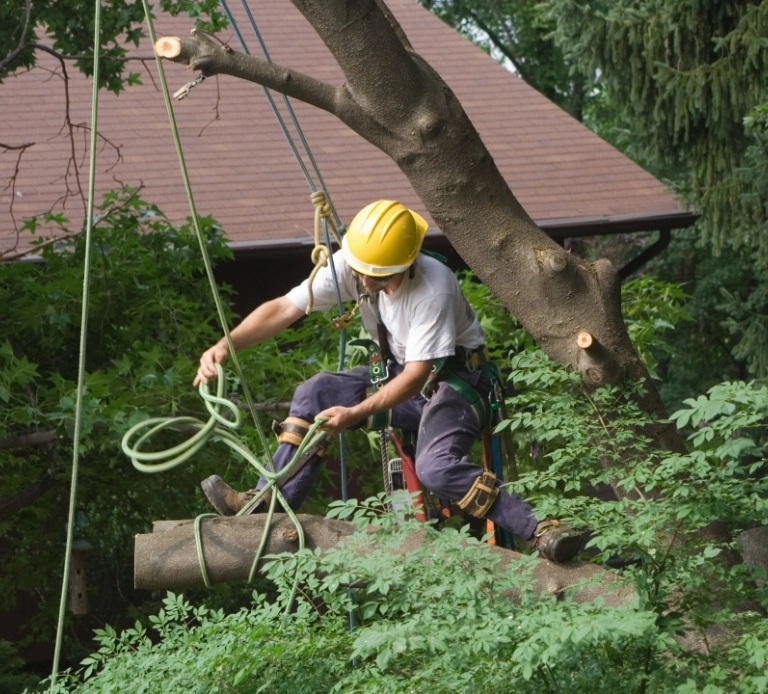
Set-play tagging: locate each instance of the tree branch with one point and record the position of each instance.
(37, 438)
(22, 39)
(372, 51)
(12, 183)
(167, 558)
(6, 258)
(500, 45)
(12, 504)
(395, 25)
(199, 52)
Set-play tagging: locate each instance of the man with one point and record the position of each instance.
(426, 319)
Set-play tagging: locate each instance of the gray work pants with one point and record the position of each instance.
(447, 428)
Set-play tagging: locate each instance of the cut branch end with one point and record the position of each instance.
(168, 47)
(584, 339)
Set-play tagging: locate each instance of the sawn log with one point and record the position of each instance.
(166, 559)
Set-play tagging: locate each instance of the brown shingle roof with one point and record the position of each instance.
(244, 174)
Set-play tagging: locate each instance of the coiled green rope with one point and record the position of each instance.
(217, 428)
(184, 451)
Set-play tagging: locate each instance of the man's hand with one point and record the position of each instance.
(339, 419)
(218, 354)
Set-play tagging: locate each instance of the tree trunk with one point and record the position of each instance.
(167, 558)
(397, 102)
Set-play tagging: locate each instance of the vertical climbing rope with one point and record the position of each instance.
(202, 243)
(83, 340)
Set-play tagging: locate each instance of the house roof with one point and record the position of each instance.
(243, 173)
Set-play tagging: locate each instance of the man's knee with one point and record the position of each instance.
(311, 396)
(432, 473)
(316, 383)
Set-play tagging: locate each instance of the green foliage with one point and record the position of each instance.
(443, 617)
(149, 318)
(151, 314)
(651, 308)
(12, 678)
(69, 24)
(726, 338)
(516, 31)
(682, 77)
(440, 617)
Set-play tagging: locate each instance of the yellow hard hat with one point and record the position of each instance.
(384, 238)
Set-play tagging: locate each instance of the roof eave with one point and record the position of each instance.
(558, 229)
(573, 227)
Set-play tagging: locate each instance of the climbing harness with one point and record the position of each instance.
(399, 472)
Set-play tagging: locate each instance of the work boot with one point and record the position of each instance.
(555, 542)
(224, 499)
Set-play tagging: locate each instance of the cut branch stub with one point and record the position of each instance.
(168, 47)
(557, 260)
(597, 364)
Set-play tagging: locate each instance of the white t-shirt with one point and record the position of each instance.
(426, 318)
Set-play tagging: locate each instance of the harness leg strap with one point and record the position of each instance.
(293, 430)
(479, 499)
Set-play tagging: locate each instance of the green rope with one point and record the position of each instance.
(217, 428)
(184, 451)
(83, 336)
(201, 239)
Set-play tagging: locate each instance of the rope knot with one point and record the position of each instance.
(321, 203)
(320, 255)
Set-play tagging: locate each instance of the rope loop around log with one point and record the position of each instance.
(217, 428)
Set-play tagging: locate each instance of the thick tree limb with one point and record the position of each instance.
(211, 58)
(167, 558)
(37, 438)
(11, 504)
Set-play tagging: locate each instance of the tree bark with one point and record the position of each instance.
(36, 438)
(167, 558)
(396, 101)
(12, 504)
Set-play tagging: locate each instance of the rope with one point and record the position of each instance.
(217, 428)
(320, 253)
(202, 242)
(310, 183)
(83, 341)
(286, 101)
(312, 187)
(182, 452)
